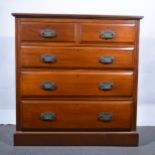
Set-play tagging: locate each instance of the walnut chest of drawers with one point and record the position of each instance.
(76, 79)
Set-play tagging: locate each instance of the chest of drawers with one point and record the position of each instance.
(76, 79)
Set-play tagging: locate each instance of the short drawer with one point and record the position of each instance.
(76, 83)
(76, 57)
(76, 115)
(99, 33)
(47, 32)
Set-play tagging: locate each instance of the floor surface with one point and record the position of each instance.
(146, 146)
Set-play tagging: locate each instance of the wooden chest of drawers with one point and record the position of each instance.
(76, 79)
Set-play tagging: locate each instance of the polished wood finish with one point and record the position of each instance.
(76, 115)
(77, 98)
(64, 32)
(76, 138)
(79, 57)
(75, 16)
(76, 83)
(123, 32)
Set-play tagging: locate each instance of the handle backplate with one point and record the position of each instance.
(107, 34)
(105, 116)
(48, 33)
(48, 58)
(47, 116)
(106, 59)
(48, 85)
(106, 85)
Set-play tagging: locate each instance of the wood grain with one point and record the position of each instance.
(31, 32)
(77, 57)
(76, 138)
(76, 115)
(77, 83)
(123, 33)
(77, 73)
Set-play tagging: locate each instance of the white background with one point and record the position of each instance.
(146, 95)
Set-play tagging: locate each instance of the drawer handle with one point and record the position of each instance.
(105, 116)
(106, 59)
(48, 116)
(48, 33)
(48, 85)
(106, 85)
(107, 34)
(48, 58)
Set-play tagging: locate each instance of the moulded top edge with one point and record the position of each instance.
(76, 16)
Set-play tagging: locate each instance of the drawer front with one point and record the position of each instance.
(99, 33)
(76, 115)
(77, 83)
(70, 57)
(48, 32)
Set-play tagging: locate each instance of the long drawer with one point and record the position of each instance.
(77, 57)
(76, 83)
(76, 115)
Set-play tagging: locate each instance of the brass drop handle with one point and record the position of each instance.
(106, 59)
(106, 85)
(107, 34)
(48, 85)
(47, 116)
(48, 58)
(105, 116)
(48, 33)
